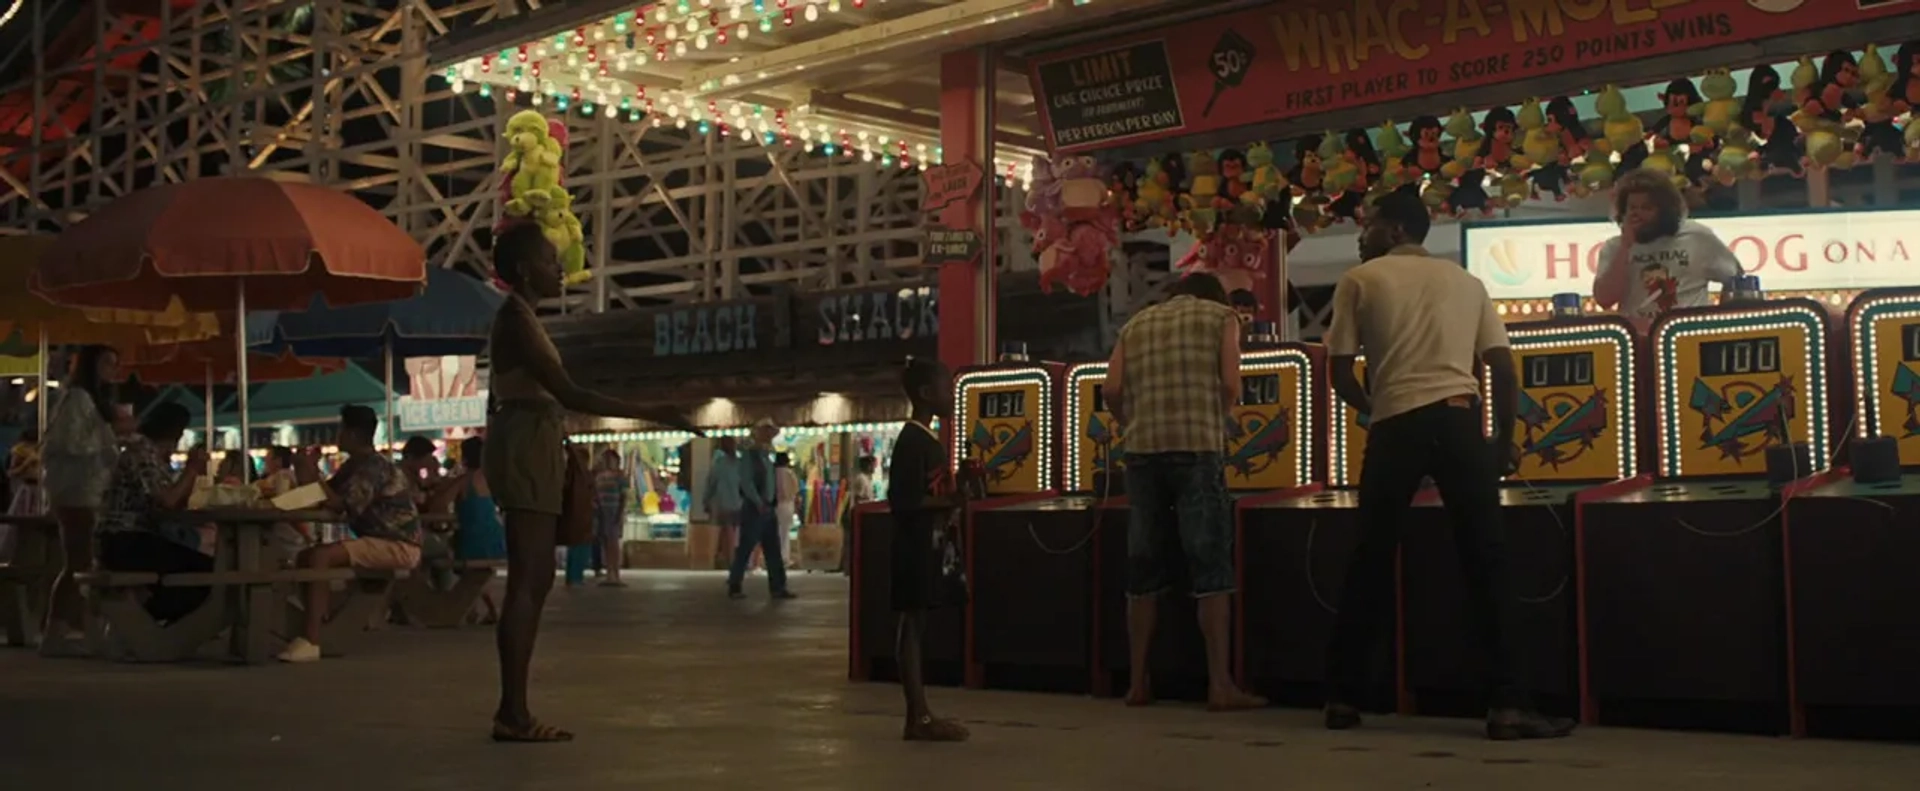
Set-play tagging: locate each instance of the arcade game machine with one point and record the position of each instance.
(1030, 624)
(1574, 430)
(1005, 421)
(1851, 549)
(1680, 576)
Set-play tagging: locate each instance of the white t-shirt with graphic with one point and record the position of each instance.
(1670, 272)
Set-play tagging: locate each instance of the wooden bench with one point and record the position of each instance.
(358, 604)
(24, 588)
(26, 583)
(114, 600)
(425, 605)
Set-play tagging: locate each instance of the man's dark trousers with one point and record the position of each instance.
(1444, 441)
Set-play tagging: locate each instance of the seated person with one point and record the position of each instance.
(131, 535)
(277, 479)
(378, 503)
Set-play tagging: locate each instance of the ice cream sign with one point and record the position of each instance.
(1798, 251)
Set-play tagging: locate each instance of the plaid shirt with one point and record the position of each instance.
(1172, 377)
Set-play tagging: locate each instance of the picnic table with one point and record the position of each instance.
(250, 591)
(27, 579)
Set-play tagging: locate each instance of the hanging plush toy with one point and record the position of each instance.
(1720, 109)
(1675, 126)
(1623, 139)
(1906, 74)
(1877, 114)
(1465, 145)
(1075, 228)
(1429, 154)
(1563, 121)
(1153, 201)
(1540, 157)
(531, 189)
(1497, 142)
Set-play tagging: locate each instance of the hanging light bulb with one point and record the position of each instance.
(680, 48)
(766, 24)
(693, 25)
(813, 13)
(701, 42)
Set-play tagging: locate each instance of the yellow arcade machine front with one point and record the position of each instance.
(1026, 624)
(1849, 549)
(1680, 575)
(1575, 429)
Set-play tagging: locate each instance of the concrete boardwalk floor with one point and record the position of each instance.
(672, 686)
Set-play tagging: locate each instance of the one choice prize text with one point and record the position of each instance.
(1105, 85)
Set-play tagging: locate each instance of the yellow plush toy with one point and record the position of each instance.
(532, 189)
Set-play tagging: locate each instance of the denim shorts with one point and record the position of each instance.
(1180, 507)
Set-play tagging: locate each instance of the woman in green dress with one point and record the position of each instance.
(526, 462)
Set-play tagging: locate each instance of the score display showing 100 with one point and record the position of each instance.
(1732, 358)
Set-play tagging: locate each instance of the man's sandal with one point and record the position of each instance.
(534, 733)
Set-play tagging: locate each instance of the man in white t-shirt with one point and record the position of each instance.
(1661, 260)
(1425, 325)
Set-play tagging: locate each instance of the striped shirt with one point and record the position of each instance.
(1171, 365)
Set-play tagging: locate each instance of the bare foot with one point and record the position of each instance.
(1232, 699)
(1140, 695)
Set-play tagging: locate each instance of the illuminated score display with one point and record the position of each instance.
(1005, 419)
(1884, 327)
(1732, 382)
(1267, 439)
(1575, 420)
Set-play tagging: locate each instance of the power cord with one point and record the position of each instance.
(1099, 512)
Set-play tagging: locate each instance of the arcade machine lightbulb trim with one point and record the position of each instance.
(1337, 430)
(1861, 321)
(1070, 473)
(1568, 338)
(1268, 361)
(1044, 426)
(1665, 376)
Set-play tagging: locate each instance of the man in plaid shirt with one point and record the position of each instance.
(1174, 375)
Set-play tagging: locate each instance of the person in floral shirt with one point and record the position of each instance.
(378, 502)
(130, 532)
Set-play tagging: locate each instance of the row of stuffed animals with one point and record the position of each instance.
(1844, 111)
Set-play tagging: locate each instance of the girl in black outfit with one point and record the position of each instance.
(920, 494)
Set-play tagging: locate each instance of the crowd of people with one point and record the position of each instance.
(1423, 323)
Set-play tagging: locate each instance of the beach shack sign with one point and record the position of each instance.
(719, 328)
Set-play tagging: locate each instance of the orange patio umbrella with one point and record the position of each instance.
(39, 321)
(215, 362)
(232, 243)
